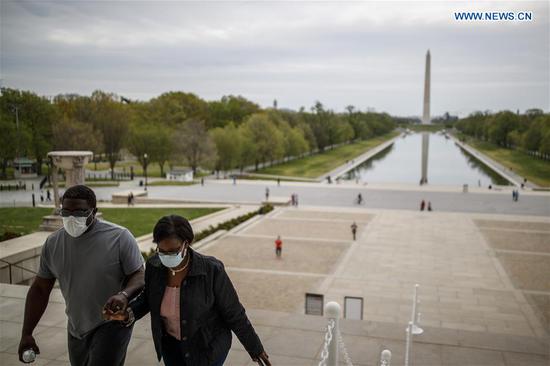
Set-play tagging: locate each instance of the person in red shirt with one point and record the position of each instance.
(278, 246)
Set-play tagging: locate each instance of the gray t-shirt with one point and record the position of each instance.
(90, 269)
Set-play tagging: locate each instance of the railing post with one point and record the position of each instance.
(332, 311)
(416, 330)
(385, 358)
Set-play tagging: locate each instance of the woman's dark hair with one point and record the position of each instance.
(173, 226)
(81, 192)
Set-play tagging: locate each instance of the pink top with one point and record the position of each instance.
(170, 311)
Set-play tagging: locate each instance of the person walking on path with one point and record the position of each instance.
(279, 181)
(266, 194)
(429, 206)
(193, 305)
(278, 246)
(422, 205)
(354, 230)
(48, 196)
(99, 268)
(359, 199)
(202, 181)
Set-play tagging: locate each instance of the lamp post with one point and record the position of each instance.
(145, 168)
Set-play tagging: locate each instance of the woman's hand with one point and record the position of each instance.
(262, 359)
(120, 315)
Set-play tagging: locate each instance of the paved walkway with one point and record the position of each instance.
(474, 309)
(443, 198)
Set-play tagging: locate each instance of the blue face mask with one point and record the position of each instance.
(173, 260)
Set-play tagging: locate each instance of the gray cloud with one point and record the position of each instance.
(369, 54)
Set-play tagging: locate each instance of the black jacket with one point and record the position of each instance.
(209, 310)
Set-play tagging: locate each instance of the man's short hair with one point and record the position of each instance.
(81, 192)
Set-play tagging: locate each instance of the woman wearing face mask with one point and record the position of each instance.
(193, 304)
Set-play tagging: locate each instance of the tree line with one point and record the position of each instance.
(174, 128)
(529, 132)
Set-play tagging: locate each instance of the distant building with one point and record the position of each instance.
(24, 168)
(180, 175)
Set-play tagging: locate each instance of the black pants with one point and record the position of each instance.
(104, 346)
(172, 354)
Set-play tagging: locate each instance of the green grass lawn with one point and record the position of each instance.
(535, 170)
(21, 220)
(140, 221)
(318, 164)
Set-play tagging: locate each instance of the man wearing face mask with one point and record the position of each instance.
(99, 268)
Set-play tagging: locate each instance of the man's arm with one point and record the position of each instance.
(134, 284)
(35, 305)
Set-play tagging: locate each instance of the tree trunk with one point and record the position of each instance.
(39, 166)
(162, 168)
(4, 167)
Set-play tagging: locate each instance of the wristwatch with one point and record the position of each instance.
(131, 317)
(125, 294)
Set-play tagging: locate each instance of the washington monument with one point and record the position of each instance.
(426, 120)
(426, 113)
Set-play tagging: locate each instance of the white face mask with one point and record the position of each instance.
(173, 260)
(75, 226)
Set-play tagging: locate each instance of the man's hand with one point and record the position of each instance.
(27, 342)
(262, 359)
(116, 303)
(120, 315)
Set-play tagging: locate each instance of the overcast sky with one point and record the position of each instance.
(364, 53)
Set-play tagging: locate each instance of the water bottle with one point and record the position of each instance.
(29, 356)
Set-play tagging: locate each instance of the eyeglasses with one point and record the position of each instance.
(75, 213)
(157, 250)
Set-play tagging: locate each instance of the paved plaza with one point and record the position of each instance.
(377, 196)
(484, 287)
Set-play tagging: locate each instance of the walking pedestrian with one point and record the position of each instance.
(41, 197)
(278, 181)
(278, 246)
(422, 205)
(48, 196)
(513, 194)
(99, 268)
(202, 181)
(429, 206)
(266, 194)
(354, 230)
(193, 305)
(359, 199)
(517, 195)
(296, 199)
